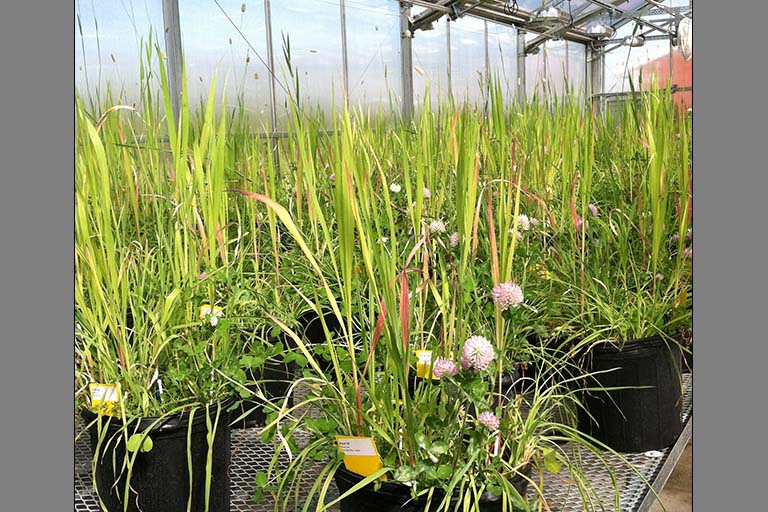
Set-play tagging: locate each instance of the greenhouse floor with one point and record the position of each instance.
(677, 495)
(249, 454)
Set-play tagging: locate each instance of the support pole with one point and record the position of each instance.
(173, 52)
(406, 58)
(520, 66)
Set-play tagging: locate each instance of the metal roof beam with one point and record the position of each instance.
(495, 12)
(624, 21)
(632, 15)
(580, 20)
(433, 13)
(489, 10)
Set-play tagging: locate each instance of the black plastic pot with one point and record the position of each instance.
(635, 420)
(312, 332)
(414, 382)
(510, 381)
(160, 479)
(536, 372)
(276, 378)
(393, 497)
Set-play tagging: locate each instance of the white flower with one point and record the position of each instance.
(395, 188)
(454, 240)
(517, 234)
(427, 193)
(534, 221)
(524, 222)
(437, 226)
(212, 313)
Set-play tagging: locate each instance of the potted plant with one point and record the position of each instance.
(629, 305)
(157, 364)
(455, 442)
(153, 396)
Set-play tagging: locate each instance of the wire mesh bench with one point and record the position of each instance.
(249, 454)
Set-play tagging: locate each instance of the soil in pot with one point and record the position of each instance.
(393, 497)
(635, 420)
(160, 478)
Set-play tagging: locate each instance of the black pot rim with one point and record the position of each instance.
(402, 489)
(158, 424)
(631, 348)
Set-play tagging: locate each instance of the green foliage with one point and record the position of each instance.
(399, 229)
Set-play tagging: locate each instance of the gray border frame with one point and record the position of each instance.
(37, 215)
(730, 281)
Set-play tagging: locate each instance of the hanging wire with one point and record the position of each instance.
(282, 86)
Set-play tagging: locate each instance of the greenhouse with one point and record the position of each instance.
(382, 255)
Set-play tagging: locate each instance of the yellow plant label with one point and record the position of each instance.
(207, 309)
(424, 364)
(104, 397)
(360, 454)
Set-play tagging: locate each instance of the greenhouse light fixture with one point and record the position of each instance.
(600, 31)
(553, 14)
(634, 41)
(684, 38)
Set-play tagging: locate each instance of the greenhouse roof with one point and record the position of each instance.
(573, 20)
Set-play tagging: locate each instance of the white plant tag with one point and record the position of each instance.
(357, 446)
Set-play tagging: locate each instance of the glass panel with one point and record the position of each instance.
(625, 63)
(577, 67)
(373, 52)
(108, 38)
(230, 45)
(556, 66)
(546, 70)
(430, 62)
(314, 30)
(468, 59)
(534, 72)
(502, 52)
